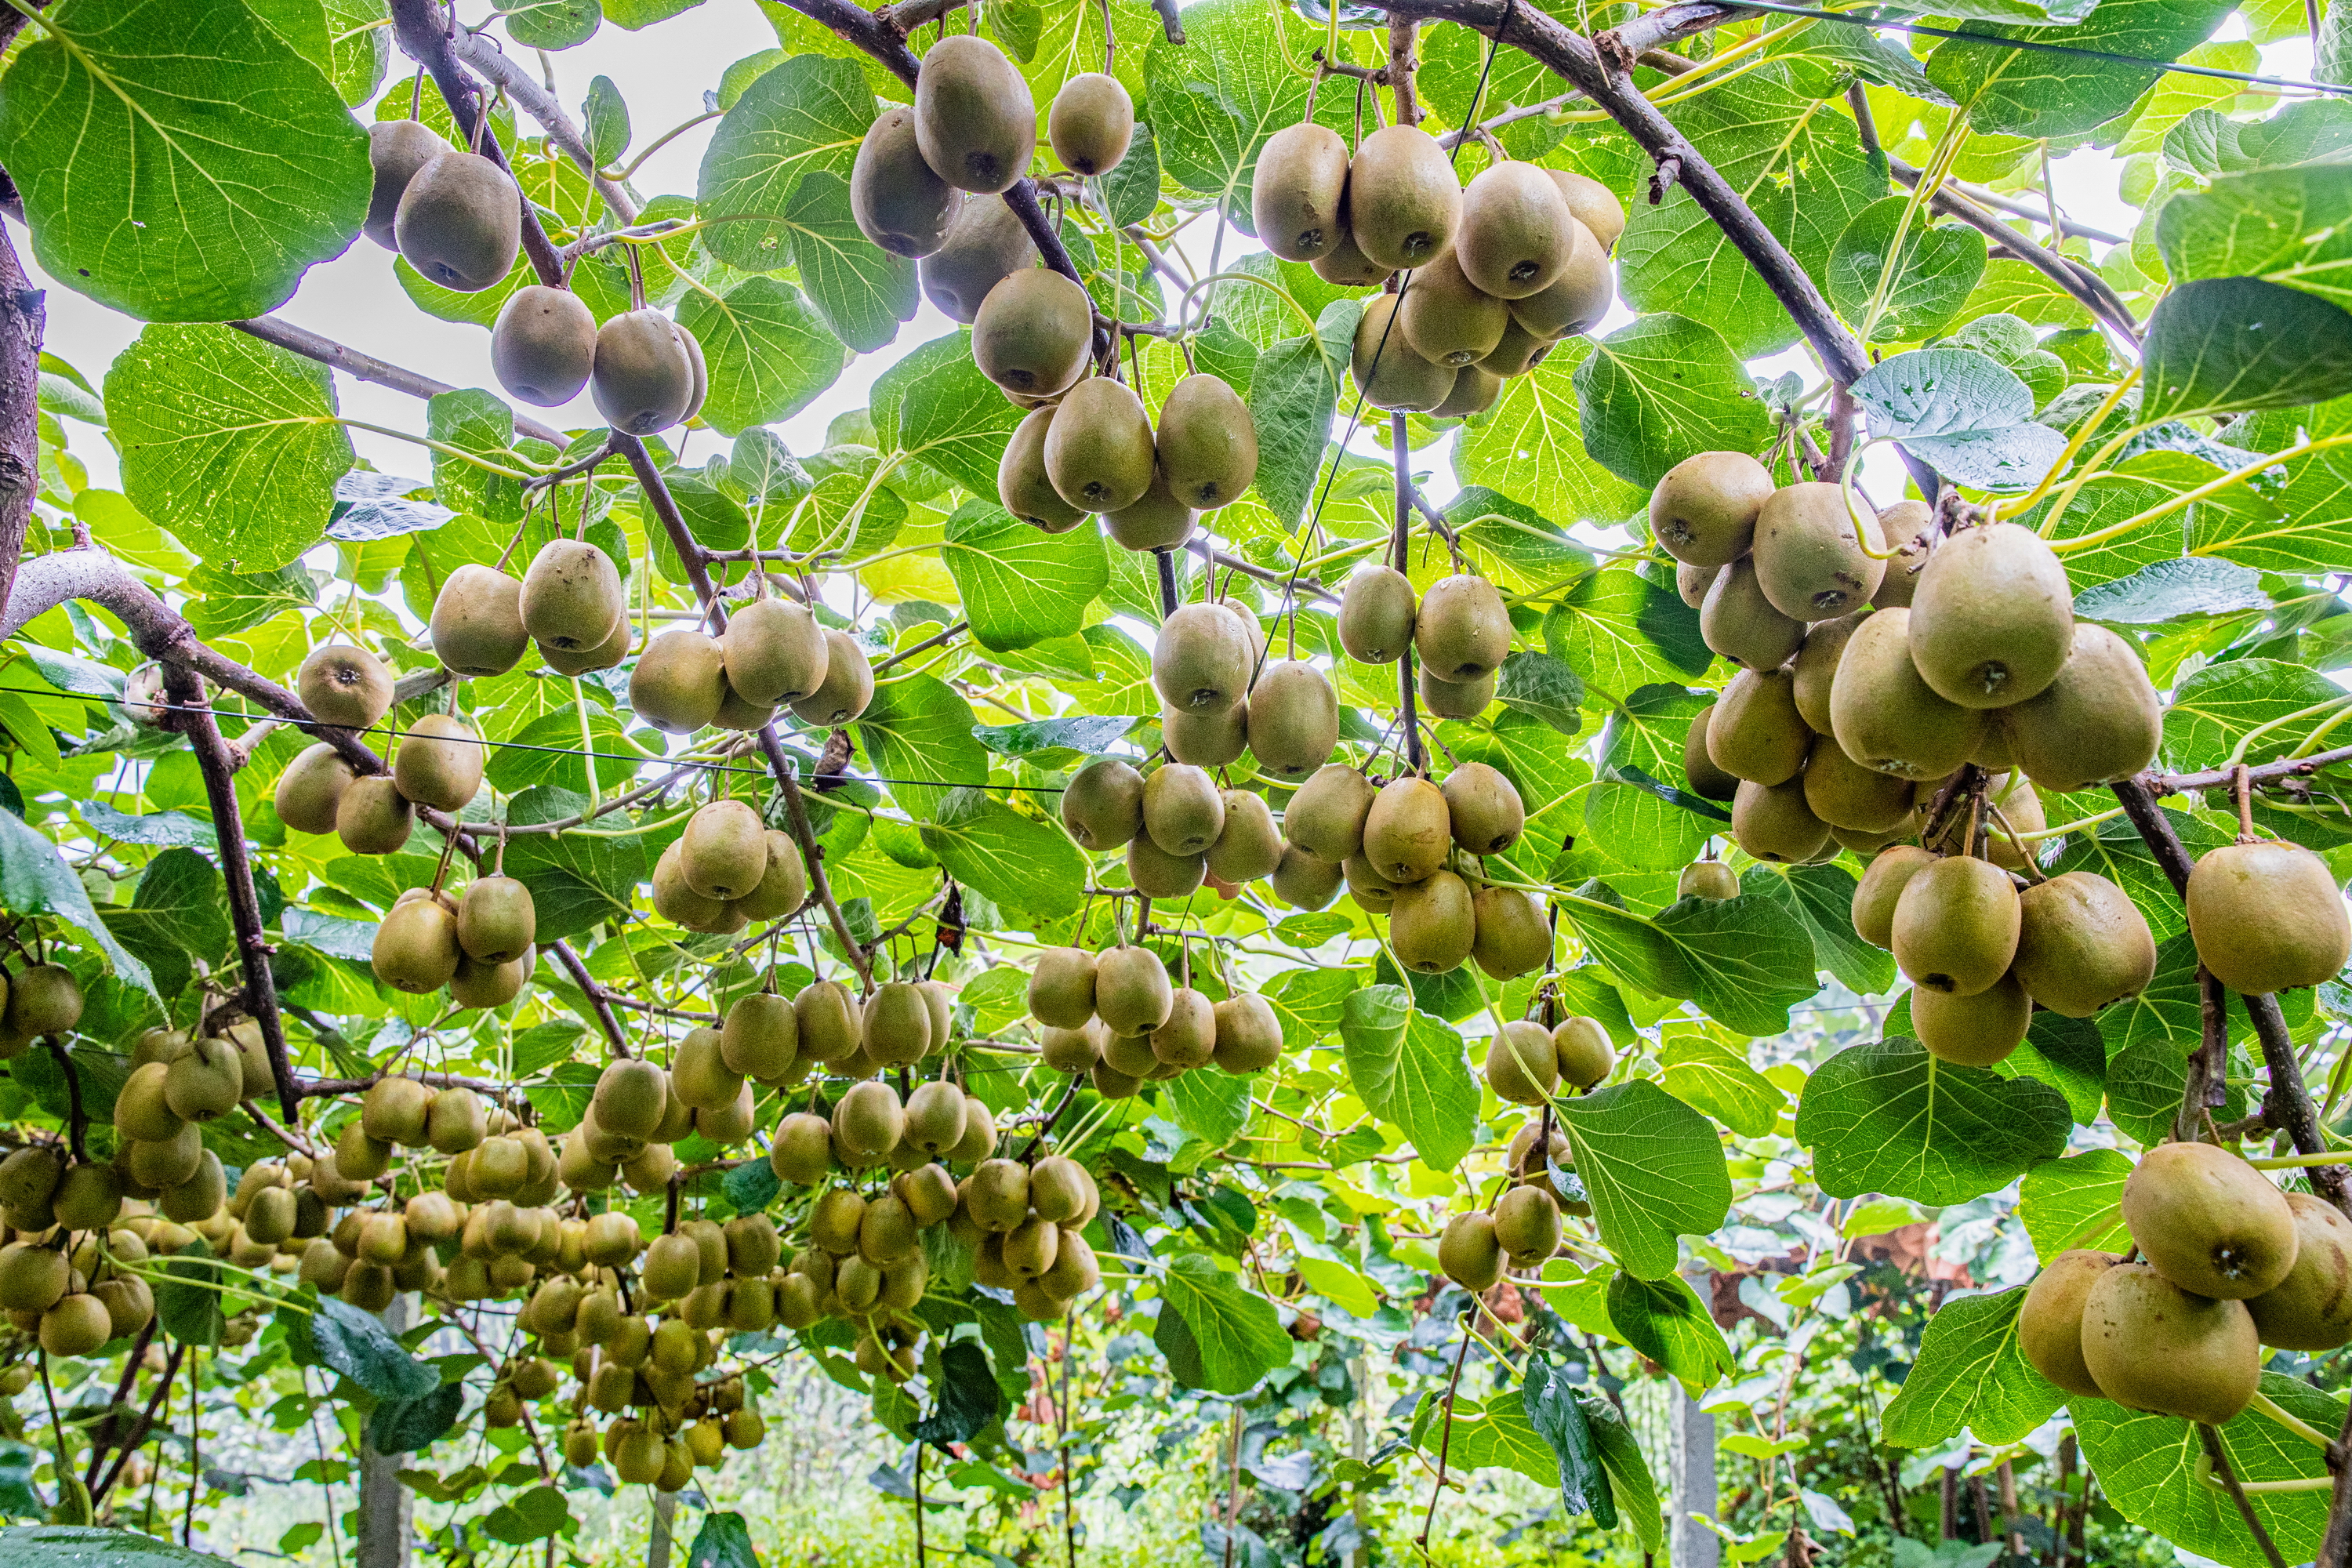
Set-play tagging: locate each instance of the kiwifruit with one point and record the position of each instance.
(1305, 880)
(631, 1098)
(196, 1196)
(2208, 1221)
(985, 243)
(1739, 622)
(1158, 873)
(1522, 1068)
(1366, 885)
(1377, 611)
(543, 344)
(2267, 916)
(601, 656)
(934, 1117)
(1574, 300)
(1515, 232)
(396, 150)
(76, 1326)
(1403, 205)
(1510, 936)
(1327, 817)
(998, 1195)
(2082, 943)
(898, 200)
(1484, 813)
(1476, 389)
(1157, 520)
(459, 222)
(572, 596)
(1845, 793)
(898, 1024)
(1866, 845)
(760, 1036)
(782, 887)
(1704, 509)
(1090, 123)
(2050, 1322)
(1594, 205)
(2311, 1309)
(1294, 718)
(1296, 192)
(1992, 616)
(29, 1178)
(1132, 993)
(1815, 667)
(1407, 830)
(1034, 332)
(1955, 924)
(1445, 319)
(439, 762)
(1249, 846)
(1103, 804)
(801, 1150)
(1388, 372)
(2098, 721)
(678, 681)
(166, 1165)
(1885, 716)
(1207, 443)
(142, 1110)
(1691, 582)
(887, 1232)
(673, 899)
(1432, 926)
(1022, 484)
(1345, 265)
(1706, 780)
(847, 688)
(1809, 554)
(1072, 1051)
(477, 621)
(1910, 529)
(1519, 352)
(979, 1132)
(1710, 880)
(1209, 739)
(415, 947)
(1883, 881)
(1462, 630)
(724, 850)
(1773, 822)
(1202, 659)
(826, 1016)
(344, 686)
(701, 1074)
(1189, 1036)
(1099, 450)
(311, 787)
(2150, 1345)
(1468, 1253)
(1527, 1225)
(868, 1120)
(1183, 810)
(1973, 1031)
(455, 1120)
(642, 380)
(1457, 698)
(975, 121)
(88, 1196)
(1754, 731)
(699, 371)
(1249, 1036)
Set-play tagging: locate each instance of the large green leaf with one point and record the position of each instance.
(1822, 897)
(2035, 92)
(769, 354)
(918, 731)
(179, 160)
(2226, 345)
(1934, 272)
(807, 115)
(2222, 705)
(1233, 1335)
(180, 912)
(1745, 961)
(863, 290)
(35, 880)
(1887, 1117)
(1530, 447)
(1620, 631)
(1218, 95)
(576, 881)
(936, 408)
(1293, 400)
(1970, 1374)
(2290, 227)
(75, 1546)
(1715, 1077)
(2075, 1203)
(1020, 584)
(1661, 389)
(1435, 1099)
(1025, 864)
(1668, 1322)
(1654, 1168)
(230, 443)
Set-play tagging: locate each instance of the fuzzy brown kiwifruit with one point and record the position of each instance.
(343, 685)
(1294, 718)
(1527, 1225)
(1775, 823)
(1885, 716)
(985, 243)
(1403, 204)
(1510, 934)
(829, 1023)
(1377, 611)
(1022, 483)
(396, 150)
(1158, 873)
(459, 222)
(643, 376)
(1755, 732)
(1386, 370)
(1812, 554)
(1458, 699)
(1305, 880)
(1446, 319)
(1099, 450)
(1735, 620)
(1183, 810)
(543, 344)
(1202, 659)
(311, 787)
(1815, 667)
(2150, 1345)
(847, 688)
(2311, 1309)
(1475, 390)
(1206, 443)
(1297, 189)
(898, 1024)
(1992, 616)
(1468, 1252)
(1034, 332)
(2082, 943)
(439, 762)
(1521, 1066)
(415, 947)
(1249, 1036)
(1977, 1030)
(2267, 916)
(679, 681)
(1516, 231)
(2210, 1222)
(1132, 993)
(1704, 509)
(896, 197)
(1576, 299)
(1485, 814)
(2050, 1322)
(572, 596)
(1462, 631)
(1709, 879)
(1102, 807)
(1955, 924)
(1249, 846)
(1407, 830)
(2098, 721)
(1090, 123)
(477, 621)
(975, 121)
(1700, 773)
(1845, 793)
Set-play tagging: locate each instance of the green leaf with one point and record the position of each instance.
(969, 1400)
(229, 442)
(863, 290)
(1027, 866)
(1435, 1100)
(1661, 389)
(605, 116)
(1236, 1335)
(1962, 412)
(2069, 1055)
(1020, 584)
(1553, 1410)
(188, 1297)
(2289, 226)
(1939, 267)
(179, 160)
(411, 1426)
(576, 881)
(918, 730)
(357, 1344)
(1372, 1036)
(1630, 1481)
(473, 420)
(2223, 704)
(1822, 897)
(934, 406)
(1217, 96)
(1745, 961)
(1621, 632)
(554, 24)
(180, 909)
(1542, 686)
(533, 1515)
(2033, 93)
(65, 1546)
(1666, 1321)
(1654, 1168)
(1495, 1436)
(1970, 1374)
(1530, 448)
(2173, 590)
(1091, 733)
(35, 880)
(2224, 345)
(1210, 1105)
(1293, 399)
(1131, 191)
(2076, 1202)
(1887, 1117)
(809, 113)
(1715, 1078)
(768, 353)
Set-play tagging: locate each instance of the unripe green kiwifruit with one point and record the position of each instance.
(2150, 1345)
(1103, 805)
(455, 1120)
(130, 1304)
(396, 1110)
(898, 1024)
(1773, 822)
(1446, 319)
(1699, 770)
(1521, 1066)
(32, 1279)
(699, 1073)
(1132, 993)
(1992, 616)
(312, 788)
(1576, 299)
(772, 651)
(142, 1111)
(1327, 817)
(344, 686)
(477, 621)
(1511, 935)
(1432, 925)
(1377, 611)
(1484, 811)
(1207, 739)
(2050, 1322)
(1977, 1030)
(1739, 622)
(979, 1132)
(731, 1123)
(396, 150)
(1157, 520)
(782, 887)
(831, 1024)
(1090, 123)
(1516, 234)
(416, 948)
(2267, 917)
(90, 1197)
(975, 121)
(2311, 1309)
(1815, 667)
(2082, 943)
(1885, 716)
(459, 222)
(1388, 372)
(1462, 631)
(2097, 722)
(673, 899)
(1705, 511)
(572, 596)
(847, 686)
(496, 921)
(1022, 484)
(2209, 1222)
(867, 1121)
(1403, 204)
(1755, 732)
(1910, 529)
(1468, 1252)
(1345, 267)
(543, 345)
(678, 681)
(1034, 332)
(1183, 810)
(1207, 442)
(985, 243)
(1407, 830)
(998, 1195)
(439, 762)
(1305, 880)
(1202, 659)
(1072, 1051)
(1476, 388)
(29, 1178)
(1249, 1036)
(886, 1233)
(1294, 718)
(1249, 846)
(1297, 192)
(802, 1149)
(1594, 205)
(1457, 698)
(1809, 553)
(1099, 450)
(897, 198)
(760, 1036)
(1955, 924)
(201, 1193)
(724, 850)
(643, 377)
(208, 1078)
(1157, 874)
(1586, 1057)
(934, 1118)
(1189, 1035)
(1845, 793)
(77, 1325)
(1129, 1054)
(1710, 880)
(1527, 1225)
(631, 1098)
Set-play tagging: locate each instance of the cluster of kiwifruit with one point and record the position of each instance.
(68, 1273)
(1461, 631)
(37, 1000)
(728, 869)
(438, 762)
(773, 652)
(1522, 1226)
(1087, 445)
(1117, 1017)
(479, 943)
(178, 1082)
(645, 370)
(456, 215)
(1494, 274)
(2225, 1263)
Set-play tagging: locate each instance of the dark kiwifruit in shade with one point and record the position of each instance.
(1468, 1253)
(1327, 817)
(1020, 482)
(2098, 721)
(1475, 392)
(1772, 822)
(2209, 1222)
(344, 685)
(1207, 442)
(1102, 807)
(459, 222)
(543, 344)
(1755, 732)
(1403, 203)
(1158, 519)
(678, 681)
(1910, 529)
(1512, 936)
(1845, 793)
(1700, 772)
(2050, 1322)
(1206, 740)
(1577, 298)
(1992, 616)
(897, 199)
(985, 244)
(477, 621)
(975, 121)
(1710, 880)
(1706, 509)
(1388, 372)
(1033, 333)
(1809, 554)
(1202, 659)
(1955, 924)
(1432, 925)
(1305, 881)
(642, 380)
(2150, 1345)
(2267, 917)
(1739, 622)
(373, 818)
(1297, 189)
(1099, 450)
(1885, 716)
(1815, 667)
(1345, 267)
(1090, 123)
(1483, 810)
(1462, 630)
(1445, 319)
(1457, 698)
(1132, 993)
(2310, 1310)
(1407, 831)
(847, 686)
(1519, 352)
(1249, 847)
(1156, 873)
(1294, 718)
(1377, 610)
(572, 596)
(1521, 1066)
(1975, 1031)
(311, 787)
(1516, 234)
(439, 762)
(396, 150)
